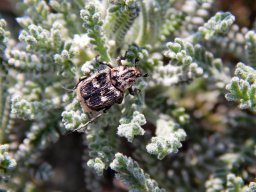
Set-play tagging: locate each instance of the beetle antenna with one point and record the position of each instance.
(97, 58)
(84, 126)
(67, 89)
(125, 54)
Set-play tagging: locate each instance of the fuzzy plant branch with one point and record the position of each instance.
(251, 187)
(144, 22)
(129, 172)
(72, 116)
(37, 139)
(7, 163)
(140, 56)
(38, 10)
(242, 88)
(23, 61)
(100, 145)
(121, 17)
(217, 25)
(251, 48)
(93, 26)
(32, 106)
(232, 183)
(196, 14)
(178, 52)
(5, 115)
(172, 24)
(168, 138)
(102, 141)
(3, 38)
(132, 116)
(154, 15)
(29, 110)
(68, 11)
(101, 149)
(188, 62)
(131, 127)
(51, 43)
(38, 38)
(233, 43)
(93, 181)
(7, 118)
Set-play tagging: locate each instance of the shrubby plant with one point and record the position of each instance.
(179, 133)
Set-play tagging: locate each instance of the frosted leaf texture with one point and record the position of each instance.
(131, 127)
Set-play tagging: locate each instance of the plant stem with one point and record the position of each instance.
(144, 20)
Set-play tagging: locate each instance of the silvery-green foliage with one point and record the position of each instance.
(7, 162)
(242, 87)
(196, 14)
(180, 115)
(121, 16)
(101, 148)
(234, 183)
(29, 110)
(251, 187)
(93, 27)
(73, 116)
(93, 181)
(21, 60)
(129, 172)
(174, 21)
(3, 37)
(214, 185)
(218, 24)
(5, 115)
(251, 47)
(131, 127)
(157, 20)
(168, 138)
(101, 141)
(132, 119)
(36, 140)
(233, 42)
(180, 44)
(188, 62)
(231, 183)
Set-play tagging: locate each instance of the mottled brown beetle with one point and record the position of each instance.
(106, 87)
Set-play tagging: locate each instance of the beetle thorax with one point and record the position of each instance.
(123, 77)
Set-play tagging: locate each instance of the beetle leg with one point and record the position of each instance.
(83, 127)
(119, 100)
(82, 78)
(119, 61)
(120, 58)
(106, 108)
(134, 91)
(103, 63)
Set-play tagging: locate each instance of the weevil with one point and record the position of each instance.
(106, 87)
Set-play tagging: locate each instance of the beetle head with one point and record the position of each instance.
(123, 77)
